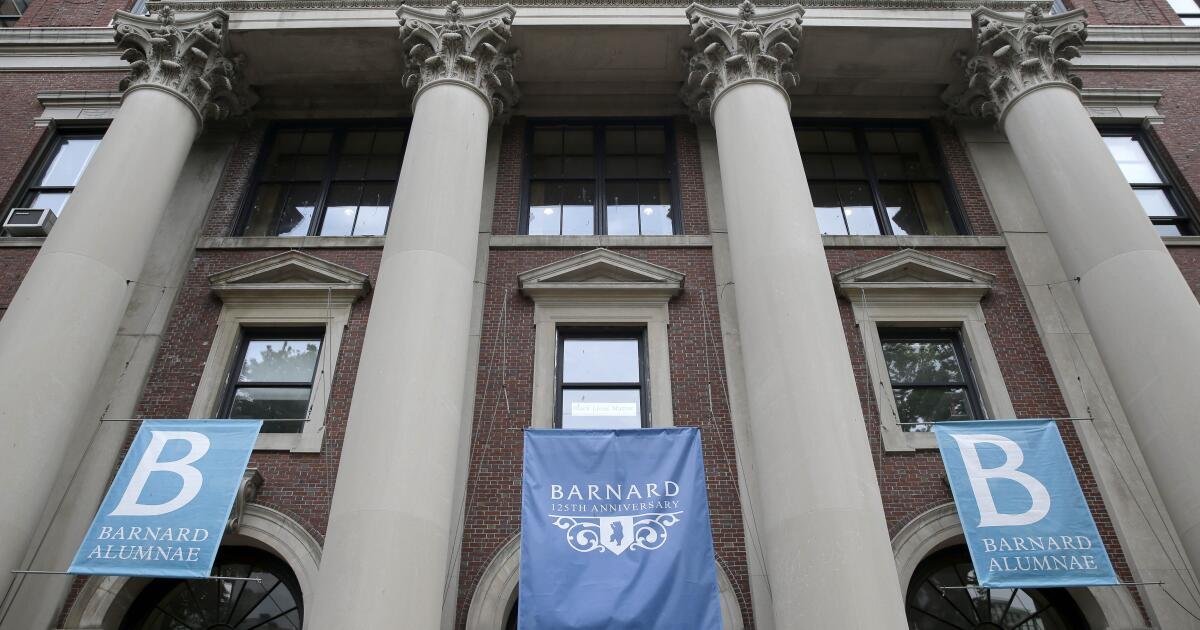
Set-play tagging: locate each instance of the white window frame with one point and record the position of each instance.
(914, 290)
(601, 288)
(282, 291)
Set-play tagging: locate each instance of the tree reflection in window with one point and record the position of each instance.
(272, 378)
(929, 375)
(273, 604)
(931, 608)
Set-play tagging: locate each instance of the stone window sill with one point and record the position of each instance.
(289, 242)
(522, 240)
(912, 241)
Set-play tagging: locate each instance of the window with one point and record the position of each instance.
(59, 171)
(600, 178)
(929, 375)
(139, 8)
(601, 379)
(1187, 10)
(1159, 197)
(1059, 6)
(326, 180)
(11, 11)
(932, 608)
(273, 604)
(272, 378)
(877, 179)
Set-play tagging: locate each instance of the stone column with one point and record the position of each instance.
(56, 335)
(388, 545)
(820, 514)
(1143, 316)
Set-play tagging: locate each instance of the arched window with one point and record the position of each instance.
(930, 608)
(273, 604)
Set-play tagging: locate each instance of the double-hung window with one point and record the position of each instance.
(615, 178)
(272, 378)
(877, 178)
(601, 379)
(930, 377)
(59, 171)
(1159, 197)
(334, 179)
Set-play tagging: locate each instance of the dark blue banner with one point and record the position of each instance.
(1026, 521)
(167, 508)
(615, 532)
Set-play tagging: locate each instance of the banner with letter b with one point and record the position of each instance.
(1025, 518)
(615, 532)
(166, 510)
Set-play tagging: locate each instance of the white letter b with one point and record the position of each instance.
(979, 476)
(193, 480)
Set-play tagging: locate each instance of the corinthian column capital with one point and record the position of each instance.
(469, 50)
(1016, 56)
(734, 48)
(187, 58)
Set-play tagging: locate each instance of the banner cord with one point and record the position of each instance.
(711, 347)
(1188, 577)
(14, 586)
(468, 495)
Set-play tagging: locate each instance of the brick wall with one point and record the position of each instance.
(72, 12)
(1127, 12)
(914, 482)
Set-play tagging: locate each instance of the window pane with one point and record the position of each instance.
(310, 167)
(351, 167)
(544, 208)
(859, 208)
(389, 142)
(374, 208)
(579, 166)
(1155, 202)
(829, 209)
(547, 166)
(810, 140)
(1132, 159)
(340, 209)
(601, 361)
(651, 166)
(271, 403)
(385, 167)
(601, 409)
(298, 211)
(547, 142)
(358, 142)
(50, 201)
(279, 361)
(902, 209)
(1168, 229)
(578, 210)
(620, 166)
(847, 166)
(1184, 6)
(881, 142)
(578, 142)
(817, 166)
(841, 141)
(69, 161)
(655, 207)
(266, 207)
(930, 404)
(651, 140)
(620, 140)
(622, 208)
(934, 210)
(925, 362)
(316, 142)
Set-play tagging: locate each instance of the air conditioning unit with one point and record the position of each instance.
(29, 222)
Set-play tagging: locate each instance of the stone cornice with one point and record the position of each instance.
(1016, 56)
(731, 49)
(468, 50)
(284, 5)
(188, 58)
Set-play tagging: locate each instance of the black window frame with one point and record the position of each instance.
(858, 127)
(565, 333)
(43, 157)
(339, 127)
(954, 335)
(1171, 185)
(9, 20)
(249, 334)
(600, 208)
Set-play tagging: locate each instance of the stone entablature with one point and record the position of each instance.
(469, 50)
(1017, 56)
(189, 58)
(731, 49)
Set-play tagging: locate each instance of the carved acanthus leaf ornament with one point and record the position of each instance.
(732, 48)
(472, 50)
(189, 58)
(1017, 55)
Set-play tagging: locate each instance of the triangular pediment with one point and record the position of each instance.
(600, 271)
(289, 275)
(913, 271)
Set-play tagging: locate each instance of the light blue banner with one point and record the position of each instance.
(615, 532)
(166, 510)
(1025, 518)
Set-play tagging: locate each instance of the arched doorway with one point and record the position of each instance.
(930, 608)
(273, 604)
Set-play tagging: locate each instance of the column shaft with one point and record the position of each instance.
(56, 334)
(388, 543)
(1142, 314)
(821, 515)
